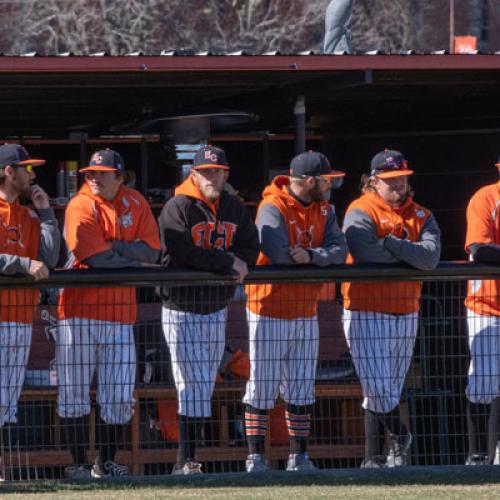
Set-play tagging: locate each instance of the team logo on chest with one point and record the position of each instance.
(304, 236)
(13, 235)
(208, 236)
(126, 219)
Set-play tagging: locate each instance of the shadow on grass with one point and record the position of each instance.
(452, 475)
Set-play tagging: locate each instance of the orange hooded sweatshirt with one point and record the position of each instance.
(405, 222)
(306, 227)
(19, 235)
(91, 225)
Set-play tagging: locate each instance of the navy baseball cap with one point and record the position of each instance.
(16, 156)
(105, 160)
(312, 164)
(389, 163)
(210, 157)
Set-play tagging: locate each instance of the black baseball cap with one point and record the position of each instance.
(16, 156)
(210, 157)
(312, 164)
(105, 160)
(389, 163)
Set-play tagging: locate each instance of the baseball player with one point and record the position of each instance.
(296, 226)
(29, 245)
(385, 225)
(483, 319)
(107, 225)
(202, 227)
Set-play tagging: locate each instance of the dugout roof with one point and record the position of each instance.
(345, 94)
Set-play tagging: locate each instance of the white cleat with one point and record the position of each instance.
(77, 472)
(477, 459)
(376, 462)
(108, 469)
(256, 463)
(398, 450)
(188, 469)
(300, 462)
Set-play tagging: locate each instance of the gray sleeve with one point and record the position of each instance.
(273, 235)
(489, 254)
(109, 259)
(50, 237)
(13, 264)
(423, 254)
(136, 250)
(334, 249)
(362, 240)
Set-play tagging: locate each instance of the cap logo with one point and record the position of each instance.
(96, 158)
(392, 164)
(210, 156)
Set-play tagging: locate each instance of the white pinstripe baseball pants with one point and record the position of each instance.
(283, 359)
(15, 344)
(381, 349)
(84, 344)
(196, 343)
(484, 370)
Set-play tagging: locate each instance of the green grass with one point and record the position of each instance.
(420, 483)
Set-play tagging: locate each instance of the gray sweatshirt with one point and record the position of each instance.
(365, 246)
(273, 236)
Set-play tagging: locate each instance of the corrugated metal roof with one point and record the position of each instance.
(205, 53)
(170, 61)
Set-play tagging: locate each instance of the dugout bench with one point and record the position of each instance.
(348, 424)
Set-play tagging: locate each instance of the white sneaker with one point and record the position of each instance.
(300, 462)
(187, 469)
(256, 463)
(376, 462)
(109, 469)
(115, 470)
(76, 472)
(477, 459)
(398, 450)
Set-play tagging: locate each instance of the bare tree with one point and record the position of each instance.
(396, 25)
(121, 26)
(257, 26)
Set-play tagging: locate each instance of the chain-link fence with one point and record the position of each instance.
(353, 365)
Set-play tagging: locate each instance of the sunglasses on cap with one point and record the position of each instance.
(333, 180)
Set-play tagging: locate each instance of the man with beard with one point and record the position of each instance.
(29, 242)
(296, 226)
(385, 225)
(202, 227)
